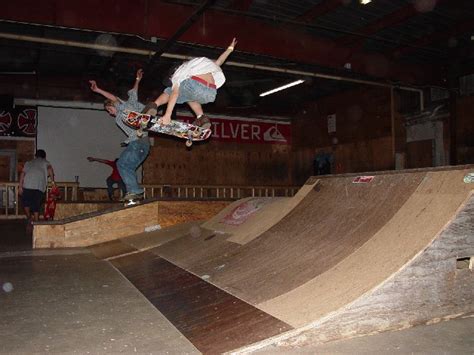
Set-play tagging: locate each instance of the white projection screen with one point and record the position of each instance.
(69, 136)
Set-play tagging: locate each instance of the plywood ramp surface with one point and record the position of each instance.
(432, 287)
(151, 239)
(411, 229)
(334, 219)
(213, 320)
(259, 214)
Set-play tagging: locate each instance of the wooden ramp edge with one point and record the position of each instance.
(411, 272)
(261, 213)
(117, 223)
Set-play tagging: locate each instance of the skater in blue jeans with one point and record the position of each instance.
(138, 147)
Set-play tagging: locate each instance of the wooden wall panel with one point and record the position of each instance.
(361, 114)
(25, 150)
(363, 137)
(4, 168)
(217, 163)
(465, 130)
(370, 155)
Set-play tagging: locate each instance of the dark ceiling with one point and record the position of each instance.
(44, 47)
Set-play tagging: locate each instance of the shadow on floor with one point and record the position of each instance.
(14, 235)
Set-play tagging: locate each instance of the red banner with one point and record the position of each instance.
(243, 130)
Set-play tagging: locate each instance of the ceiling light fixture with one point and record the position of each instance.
(365, 2)
(294, 83)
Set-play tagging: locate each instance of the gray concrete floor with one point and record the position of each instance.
(74, 303)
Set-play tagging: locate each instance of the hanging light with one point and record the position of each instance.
(297, 82)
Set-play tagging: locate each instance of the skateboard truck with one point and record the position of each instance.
(189, 141)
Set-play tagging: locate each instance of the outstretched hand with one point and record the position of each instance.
(139, 75)
(233, 43)
(94, 86)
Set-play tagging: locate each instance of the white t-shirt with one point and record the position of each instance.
(198, 66)
(36, 174)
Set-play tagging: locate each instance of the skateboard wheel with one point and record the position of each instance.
(189, 143)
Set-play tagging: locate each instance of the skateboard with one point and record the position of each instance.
(143, 122)
(52, 195)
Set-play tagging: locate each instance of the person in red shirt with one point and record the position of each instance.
(113, 179)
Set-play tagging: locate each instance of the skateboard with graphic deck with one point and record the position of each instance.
(143, 122)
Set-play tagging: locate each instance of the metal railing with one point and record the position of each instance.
(10, 200)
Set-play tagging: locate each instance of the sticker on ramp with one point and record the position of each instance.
(362, 179)
(469, 178)
(243, 211)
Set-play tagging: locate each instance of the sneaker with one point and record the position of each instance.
(150, 109)
(131, 196)
(469, 178)
(203, 122)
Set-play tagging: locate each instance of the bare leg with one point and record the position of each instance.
(196, 107)
(151, 108)
(28, 213)
(36, 216)
(162, 99)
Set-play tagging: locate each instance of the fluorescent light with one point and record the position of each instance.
(297, 82)
(365, 2)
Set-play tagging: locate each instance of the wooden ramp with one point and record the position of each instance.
(120, 222)
(353, 256)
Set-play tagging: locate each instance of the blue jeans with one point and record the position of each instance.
(110, 187)
(192, 90)
(130, 159)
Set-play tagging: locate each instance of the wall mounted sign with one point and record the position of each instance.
(243, 130)
(20, 121)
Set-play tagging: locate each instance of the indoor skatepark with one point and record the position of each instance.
(331, 211)
(232, 285)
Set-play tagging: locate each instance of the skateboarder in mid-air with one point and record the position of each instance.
(138, 146)
(194, 82)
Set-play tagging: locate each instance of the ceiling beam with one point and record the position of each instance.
(182, 29)
(443, 35)
(320, 9)
(401, 15)
(241, 5)
(162, 19)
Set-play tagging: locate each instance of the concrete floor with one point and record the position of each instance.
(70, 302)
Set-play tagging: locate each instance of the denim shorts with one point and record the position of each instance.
(192, 90)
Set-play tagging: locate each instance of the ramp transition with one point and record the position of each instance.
(348, 259)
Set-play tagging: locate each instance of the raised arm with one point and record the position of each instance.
(20, 183)
(138, 78)
(222, 58)
(103, 161)
(104, 93)
(51, 174)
